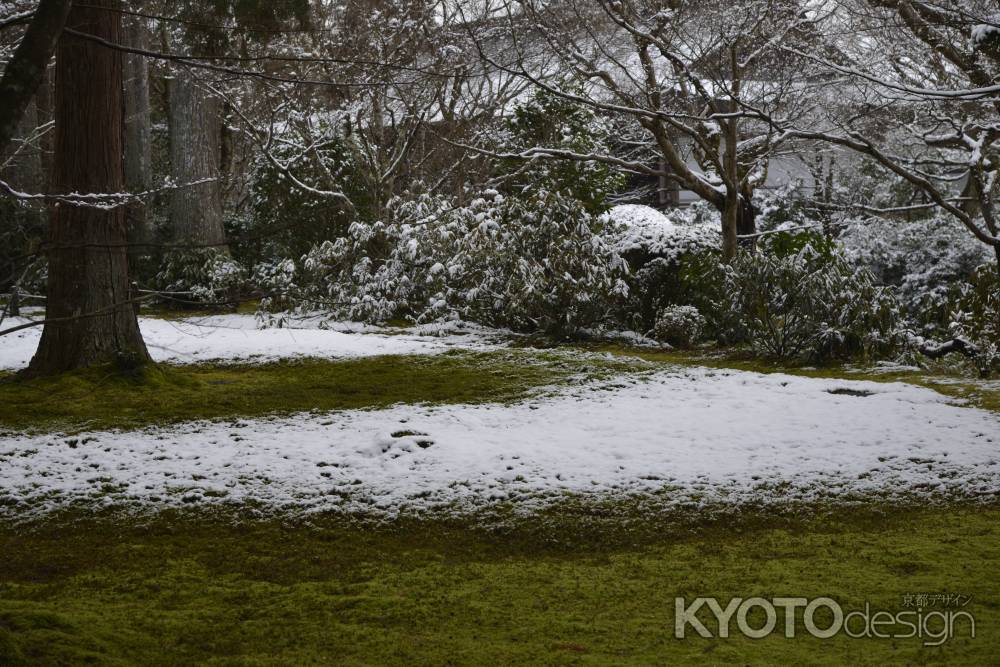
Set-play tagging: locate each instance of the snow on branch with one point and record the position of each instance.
(969, 94)
(98, 200)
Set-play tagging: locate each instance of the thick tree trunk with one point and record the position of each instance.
(138, 135)
(195, 153)
(733, 202)
(89, 317)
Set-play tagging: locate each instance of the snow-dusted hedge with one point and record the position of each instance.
(811, 306)
(976, 316)
(205, 275)
(285, 219)
(680, 326)
(641, 233)
(532, 263)
(657, 246)
(924, 259)
(552, 121)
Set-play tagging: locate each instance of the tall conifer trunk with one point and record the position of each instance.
(89, 317)
(138, 138)
(195, 155)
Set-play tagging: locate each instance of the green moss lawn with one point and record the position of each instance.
(575, 586)
(105, 397)
(201, 590)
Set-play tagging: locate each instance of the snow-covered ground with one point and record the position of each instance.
(689, 433)
(236, 337)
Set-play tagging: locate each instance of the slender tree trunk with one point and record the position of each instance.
(89, 317)
(746, 220)
(138, 134)
(730, 226)
(26, 68)
(44, 100)
(732, 208)
(23, 168)
(195, 153)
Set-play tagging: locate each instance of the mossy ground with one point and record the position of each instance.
(104, 397)
(582, 586)
(190, 590)
(938, 376)
(179, 310)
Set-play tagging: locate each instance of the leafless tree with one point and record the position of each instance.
(919, 95)
(704, 85)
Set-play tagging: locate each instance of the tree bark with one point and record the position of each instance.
(733, 206)
(739, 218)
(44, 100)
(23, 168)
(138, 136)
(730, 226)
(26, 68)
(195, 154)
(89, 317)
(746, 221)
(938, 350)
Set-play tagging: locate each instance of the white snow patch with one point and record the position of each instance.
(236, 337)
(644, 229)
(984, 31)
(638, 215)
(691, 434)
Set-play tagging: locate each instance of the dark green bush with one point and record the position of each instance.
(809, 306)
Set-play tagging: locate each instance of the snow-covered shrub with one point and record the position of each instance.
(977, 316)
(541, 265)
(547, 120)
(641, 233)
(383, 270)
(789, 223)
(784, 208)
(924, 259)
(657, 246)
(783, 243)
(986, 36)
(286, 220)
(531, 263)
(276, 282)
(809, 306)
(680, 326)
(205, 275)
(702, 284)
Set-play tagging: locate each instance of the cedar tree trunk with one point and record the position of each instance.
(26, 68)
(138, 138)
(195, 154)
(89, 319)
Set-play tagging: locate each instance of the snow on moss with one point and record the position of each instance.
(686, 435)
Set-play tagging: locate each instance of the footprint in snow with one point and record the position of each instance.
(397, 443)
